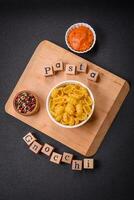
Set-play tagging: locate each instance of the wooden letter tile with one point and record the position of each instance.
(82, 67)
(58, 66)
(35, 147)
(70, 69)
(88, 163)
(56, 157)
(77, 165)
(47, 149)
(29, 138)
(92, 75)
(48, 71)
(67, 157)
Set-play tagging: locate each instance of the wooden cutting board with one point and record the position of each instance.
(109, 92)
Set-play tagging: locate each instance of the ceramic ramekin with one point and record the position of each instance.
(76, 26)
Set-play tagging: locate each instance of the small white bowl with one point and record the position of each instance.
(76, 26)
(64, 83)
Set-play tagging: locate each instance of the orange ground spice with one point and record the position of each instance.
(80, 38)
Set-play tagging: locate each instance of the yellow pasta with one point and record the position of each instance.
(70, 104)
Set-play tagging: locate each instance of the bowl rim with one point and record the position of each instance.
(60, 84)
(76, 25)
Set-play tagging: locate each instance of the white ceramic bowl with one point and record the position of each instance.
(64, 83)
(75, 26)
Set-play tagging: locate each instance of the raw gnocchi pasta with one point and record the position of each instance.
(70, 104)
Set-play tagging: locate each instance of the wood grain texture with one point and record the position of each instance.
(109, 92)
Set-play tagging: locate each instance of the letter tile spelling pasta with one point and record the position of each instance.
(70, 104)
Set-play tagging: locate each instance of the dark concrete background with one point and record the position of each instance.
(26, 176)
